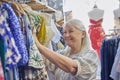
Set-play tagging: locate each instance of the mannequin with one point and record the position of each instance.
(96, 13)
(96, 31)
(116, 13)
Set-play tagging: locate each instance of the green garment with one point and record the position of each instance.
(2, 53)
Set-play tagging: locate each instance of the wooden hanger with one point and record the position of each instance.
(21, 8)
(60, 22)
(40, 6)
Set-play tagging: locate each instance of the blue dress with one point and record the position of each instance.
(12, 55)
(14, 25)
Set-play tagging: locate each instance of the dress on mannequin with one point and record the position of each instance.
(96, 31)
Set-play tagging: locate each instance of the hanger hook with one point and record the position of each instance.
(95, 5)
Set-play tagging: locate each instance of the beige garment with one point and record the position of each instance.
(87, 66)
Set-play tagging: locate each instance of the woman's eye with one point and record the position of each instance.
(64, 32)
(70, 31)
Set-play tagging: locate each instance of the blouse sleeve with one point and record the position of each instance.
(87, 65)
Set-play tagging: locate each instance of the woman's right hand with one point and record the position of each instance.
(36, 39)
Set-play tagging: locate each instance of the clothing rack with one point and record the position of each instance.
(114, 29)
(116, 32)
(35, 5)
(107, 52)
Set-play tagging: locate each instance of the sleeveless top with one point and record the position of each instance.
(97, 34)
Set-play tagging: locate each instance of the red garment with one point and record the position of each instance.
(1, 72)
(97, 34)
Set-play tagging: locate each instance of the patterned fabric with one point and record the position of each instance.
(35, 58)
(97, 34)
(36, 68)
(34, 20)
(1, 71)
(17, 34)
(12, 53)
(29, 73)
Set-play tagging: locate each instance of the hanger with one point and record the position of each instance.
(95, 6)
(35, 5)
(20, 8)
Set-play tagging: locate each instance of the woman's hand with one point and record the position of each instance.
(35, 38)
(38, 43)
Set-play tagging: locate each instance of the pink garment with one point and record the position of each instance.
(97, 34)
(1, 72)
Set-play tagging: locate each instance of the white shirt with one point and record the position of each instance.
(87, 66)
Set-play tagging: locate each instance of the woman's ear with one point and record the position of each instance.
(83, 34)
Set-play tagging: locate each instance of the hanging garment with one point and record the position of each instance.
(12, 53)
(12, 74)
(36, 68)
(35, 57)
(2, 53)
(29, 73)
(97, 34)
(42, 32)
(108, 51)
(115, 72)
(17, 34)
(1, 71)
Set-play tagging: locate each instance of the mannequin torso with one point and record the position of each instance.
(117, 12)
(96, 14)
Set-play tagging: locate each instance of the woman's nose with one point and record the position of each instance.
(67, 34)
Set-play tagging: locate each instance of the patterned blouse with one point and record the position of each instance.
(12, 54)
(15, 28)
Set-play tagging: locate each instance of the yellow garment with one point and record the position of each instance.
(42, 32)
(60, 45)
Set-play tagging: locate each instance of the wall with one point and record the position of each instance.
(80, 9)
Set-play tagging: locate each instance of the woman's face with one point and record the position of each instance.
(73, 36)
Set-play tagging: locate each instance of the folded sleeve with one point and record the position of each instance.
(87, 65)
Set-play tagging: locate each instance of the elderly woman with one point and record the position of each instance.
(78, 61)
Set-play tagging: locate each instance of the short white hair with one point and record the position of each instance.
(86, 43)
